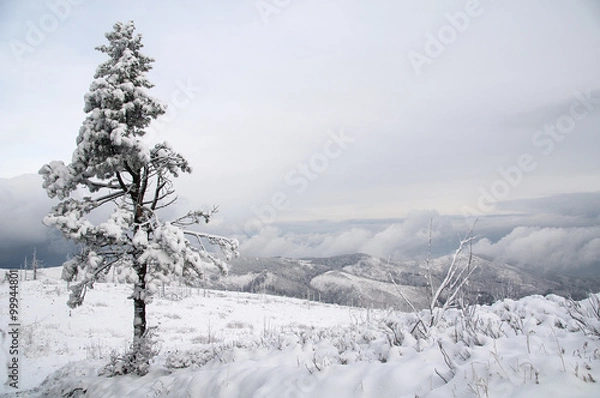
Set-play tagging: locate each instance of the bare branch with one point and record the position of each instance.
(107, 198)
(144, 186)
(169, 203)
(428, 260)
(410, 304)
(454, 279)
(159, 186)
(124, 186)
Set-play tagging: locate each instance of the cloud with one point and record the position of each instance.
(569, 250)
(558, 233)
(402, 240)
(583, 205)
(271, 241)
(561, 234)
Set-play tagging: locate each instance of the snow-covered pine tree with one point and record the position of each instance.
(116, 167)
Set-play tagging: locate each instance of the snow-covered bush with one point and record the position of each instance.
(586, 313)
(137, 360)
(468, 347)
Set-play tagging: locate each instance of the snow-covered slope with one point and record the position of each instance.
(362, 280)
(347, 288)
(229, 344)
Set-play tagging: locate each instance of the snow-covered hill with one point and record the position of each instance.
(230, 344)
(362, 280)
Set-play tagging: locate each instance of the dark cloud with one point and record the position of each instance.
(24, 205)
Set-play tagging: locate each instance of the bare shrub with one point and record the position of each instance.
(447, 294)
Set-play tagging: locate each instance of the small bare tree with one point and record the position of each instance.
(23, 270)
(35, 264)
(453, 279)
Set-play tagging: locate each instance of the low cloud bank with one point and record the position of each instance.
(568, 250)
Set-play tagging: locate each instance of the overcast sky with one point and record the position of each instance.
(296, 111)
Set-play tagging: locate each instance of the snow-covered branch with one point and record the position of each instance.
(195, 217)
(228, 246)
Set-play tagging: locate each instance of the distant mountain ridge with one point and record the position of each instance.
(362, 280)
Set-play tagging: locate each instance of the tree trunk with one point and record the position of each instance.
(139, 305)
(139, 318)
(140, 356)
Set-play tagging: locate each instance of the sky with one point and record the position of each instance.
(322, 128)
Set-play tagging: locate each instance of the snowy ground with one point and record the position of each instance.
(220, 344)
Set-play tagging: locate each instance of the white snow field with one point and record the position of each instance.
(229, 344)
